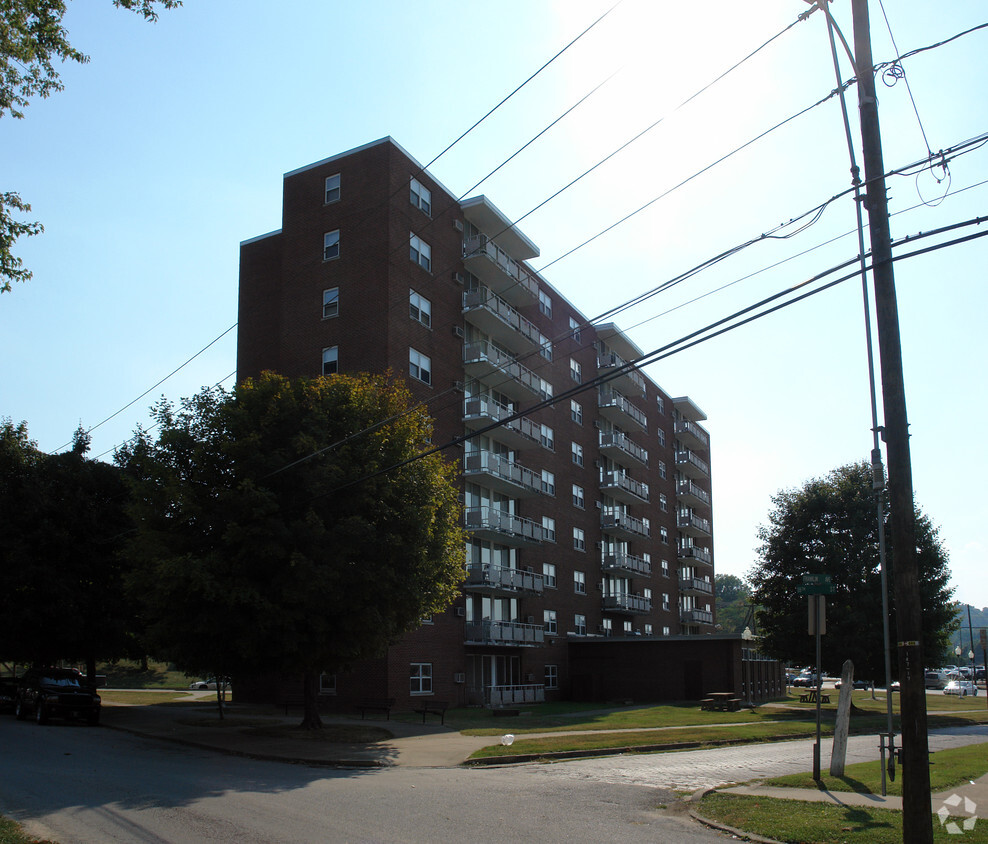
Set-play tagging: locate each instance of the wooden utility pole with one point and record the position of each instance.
(917, 814)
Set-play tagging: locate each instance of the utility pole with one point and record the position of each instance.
(917, 810)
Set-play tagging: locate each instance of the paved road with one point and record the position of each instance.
(78, 785)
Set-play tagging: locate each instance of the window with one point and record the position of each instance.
(665, 631)
(663, 502)
(575, 371)
(661, 404)
(545, 437)
(545, 303)
(665, 568)
(331, 302)
(420, 252)
(665, 601)
(577, 451)
(427, 619)
(578, 499)
(648, 628)
(579, 539)
(419, 308)
(576, 412)
(606, 626)
(420, 196)
(662, 437)
(579, 583)
(662, 469)
(330, 360)
(664, 535)
(574, 328)
(552, 676)
(549, 575)
(332, 188)
(549, 526)
(548, 482)
(545, 389)
(419, 366)
(580, 625)
(327, 684)
(549, 619)
(331, 245)
(420, 678)
(627, 628)
(546, 350)
(647, 594)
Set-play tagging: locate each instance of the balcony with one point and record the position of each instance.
(626, 564)
(509, 695)
(485, 361)
(501, 475)
(481, 411)
(499, 271)
(694, 553)
(619, 410)
(618, 446)
(694, 586)
(627, 603)
(500, 580)
(691, 524)
(692, 466)
(623, 488)
(691, 435)
(491, 314)
(623, 526)
(509, 633)
(689, 493)
(695, 616)
(504, 528)
(630, 380)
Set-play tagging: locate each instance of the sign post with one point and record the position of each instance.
(816, 587)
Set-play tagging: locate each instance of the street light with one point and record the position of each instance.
(747, 635)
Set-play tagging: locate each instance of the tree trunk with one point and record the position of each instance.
(310, 702)
(842, 726)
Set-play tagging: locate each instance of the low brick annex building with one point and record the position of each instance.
(588, 519)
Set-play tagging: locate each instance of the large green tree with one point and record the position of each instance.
(32, 40)
(733, 598)
(61, 577)
(830, 526)
(268, 536)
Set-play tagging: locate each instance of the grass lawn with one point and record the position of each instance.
(820, 823)
(11, 833)
(139, 697)
(130, 675)
(948, 769)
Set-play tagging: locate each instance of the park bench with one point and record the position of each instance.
(286, 699)
(376, 704)
(432, 707)
(810, 697)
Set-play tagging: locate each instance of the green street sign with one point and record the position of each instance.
(816, 578)
(815, 589)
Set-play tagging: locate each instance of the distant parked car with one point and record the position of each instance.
(805, 678)
(935, 679)
(210, 684)
(56, 693)
(857, 684)
(961, 687)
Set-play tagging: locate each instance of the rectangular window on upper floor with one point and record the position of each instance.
(578, 497)
(331, 360)
(332, 188)
(574, 328)
(420, 252)
(579, 539)
(419, 366)
(575, 371)
(576, 412)
(419, 308)
(549, 575)
(420, 196)
(331, 245)
(577, 453)
(662, 436)
(545, 303)
(579, 583)
(548, 482)
(331, 302)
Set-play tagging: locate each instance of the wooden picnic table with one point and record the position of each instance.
(810, 697)
(721, 702)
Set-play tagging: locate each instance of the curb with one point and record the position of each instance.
(721, 827)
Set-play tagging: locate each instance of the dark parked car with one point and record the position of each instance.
(56, 693)
(806, 679)
(8, 689)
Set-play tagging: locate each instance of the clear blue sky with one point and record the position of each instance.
(168, 149)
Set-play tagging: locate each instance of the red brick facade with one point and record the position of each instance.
(646, 561)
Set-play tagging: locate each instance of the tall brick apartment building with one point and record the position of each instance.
(587, 518)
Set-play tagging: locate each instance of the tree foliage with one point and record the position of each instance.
(256, 555)
(32, 41)
(61, 578)
(830, 526)
(733, 597)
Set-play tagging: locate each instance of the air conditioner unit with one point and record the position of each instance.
(529, 678)
(599, 546)
(458, 277)
(596, 424)
(458, 331)
(458, 385)
(600, 506)
(459, 677)
(458, 225)
(461, 612)
(531, 619)
(461, 498)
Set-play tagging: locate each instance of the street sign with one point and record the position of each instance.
(816, 578)
(815, 589)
